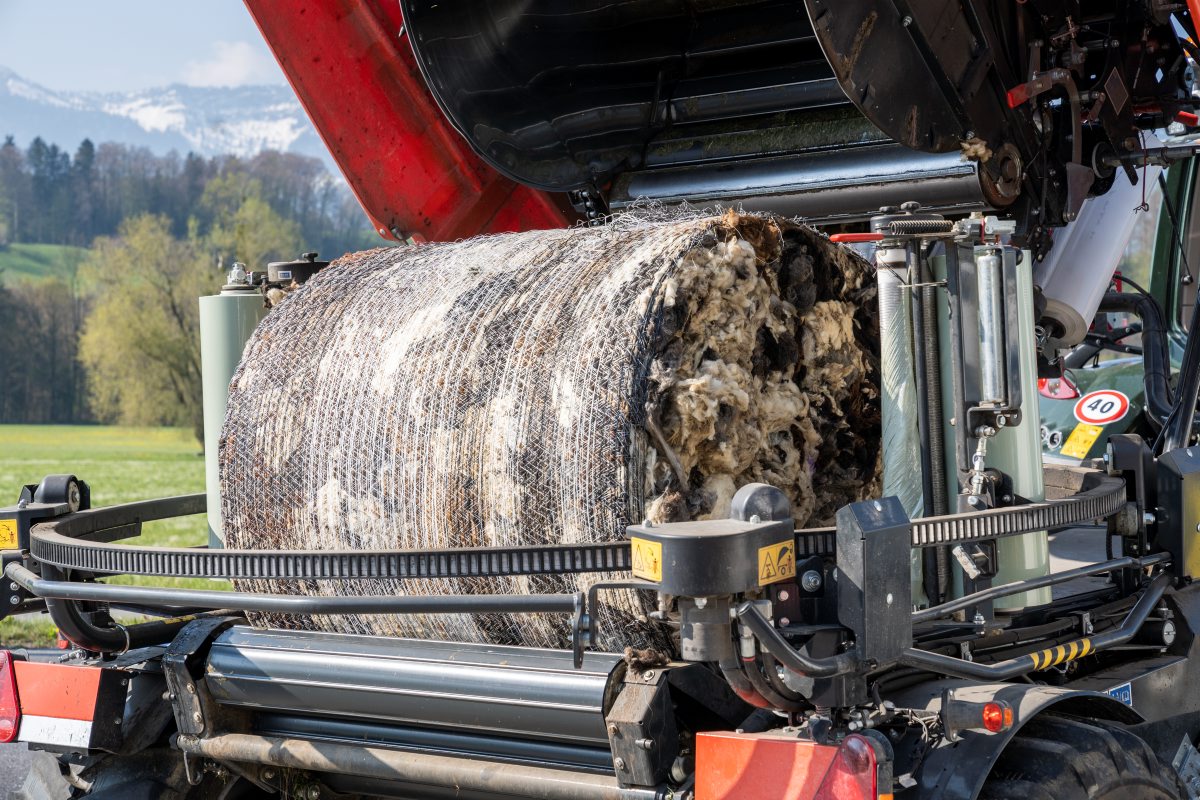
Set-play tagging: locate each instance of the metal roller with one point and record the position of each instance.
(513, 692)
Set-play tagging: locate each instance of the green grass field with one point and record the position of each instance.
(32, 262)
(120, 465)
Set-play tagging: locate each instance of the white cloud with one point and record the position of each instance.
(232, 64)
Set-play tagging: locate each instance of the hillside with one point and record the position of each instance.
(34, 262)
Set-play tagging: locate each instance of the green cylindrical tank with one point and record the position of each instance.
(226, 322)
(1018, 452)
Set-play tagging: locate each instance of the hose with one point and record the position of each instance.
(76, 628)
(789, 657)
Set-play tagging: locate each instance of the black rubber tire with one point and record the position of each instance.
(1066, 758)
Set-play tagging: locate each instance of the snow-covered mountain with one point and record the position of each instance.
(204, 120)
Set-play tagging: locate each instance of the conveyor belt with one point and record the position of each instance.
(54, 543)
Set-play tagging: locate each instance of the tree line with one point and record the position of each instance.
(113, 336)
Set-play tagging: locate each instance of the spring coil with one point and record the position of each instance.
(910, 227)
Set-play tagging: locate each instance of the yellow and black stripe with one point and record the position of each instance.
(1053, 656)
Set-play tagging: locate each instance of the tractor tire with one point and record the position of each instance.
(1066, 758)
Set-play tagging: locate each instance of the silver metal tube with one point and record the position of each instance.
(993, 361)
(901, 440)
(517, 692)
(467, 775)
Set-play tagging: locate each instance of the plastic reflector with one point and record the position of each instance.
(997, 717)
(10, 709)
(853, 773)
(1057, 388)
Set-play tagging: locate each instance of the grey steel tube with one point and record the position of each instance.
(466, 775)
(515, 692)
(993, 361)
(898, 398)
(293, 604)
(1003, 670)
(945, 609)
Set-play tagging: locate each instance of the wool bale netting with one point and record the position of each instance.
(549, 387)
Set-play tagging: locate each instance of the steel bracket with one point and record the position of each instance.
(182, 663)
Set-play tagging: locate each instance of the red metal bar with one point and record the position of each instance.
(355, 75)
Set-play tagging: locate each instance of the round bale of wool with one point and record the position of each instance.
(549, 387)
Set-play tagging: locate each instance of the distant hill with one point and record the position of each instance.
(208, 121)
(35, 262)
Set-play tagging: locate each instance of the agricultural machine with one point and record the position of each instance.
(992, 157)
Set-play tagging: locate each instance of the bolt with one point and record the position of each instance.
(14, 600)
(978, 620)
(906, 21)
(191, 689)
(649, 675)
(889, 599)
(810, 581)
(268, 774)
(14, 587)
(313, 793)
(619, 764)
(878, 506)
(1148, 518)
(198, 717)
(701, 602)
(784, 621)
(755, 519)
(645, 744)
(646, 523)
(784, 595)
(973, 500)
(612, 729)
(117, 721)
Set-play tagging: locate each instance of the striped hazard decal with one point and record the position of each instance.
(1053, 656)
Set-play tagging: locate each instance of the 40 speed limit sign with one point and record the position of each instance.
(1102, 407)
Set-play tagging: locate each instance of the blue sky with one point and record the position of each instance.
(133, 44)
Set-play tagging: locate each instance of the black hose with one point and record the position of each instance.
(1156, 365)
(773, 642)
(1049, 657)
(763, 687)
(770, 668)
(731, 668)
(75, 627)
(1177, 430)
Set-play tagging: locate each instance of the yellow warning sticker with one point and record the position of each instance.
(647, 559)
(1081, 440)
(776, 562)
(8, 534)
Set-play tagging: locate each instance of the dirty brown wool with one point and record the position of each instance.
(549, 387)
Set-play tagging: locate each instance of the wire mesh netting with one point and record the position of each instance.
(549, 387)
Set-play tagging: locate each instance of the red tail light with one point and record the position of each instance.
(10, 709)
(997, 717)
(1057, 388)
(853, 773)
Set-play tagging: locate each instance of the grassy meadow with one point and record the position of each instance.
(120, 465)
(35, 262)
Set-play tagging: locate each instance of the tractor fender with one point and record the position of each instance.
(957, 770)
